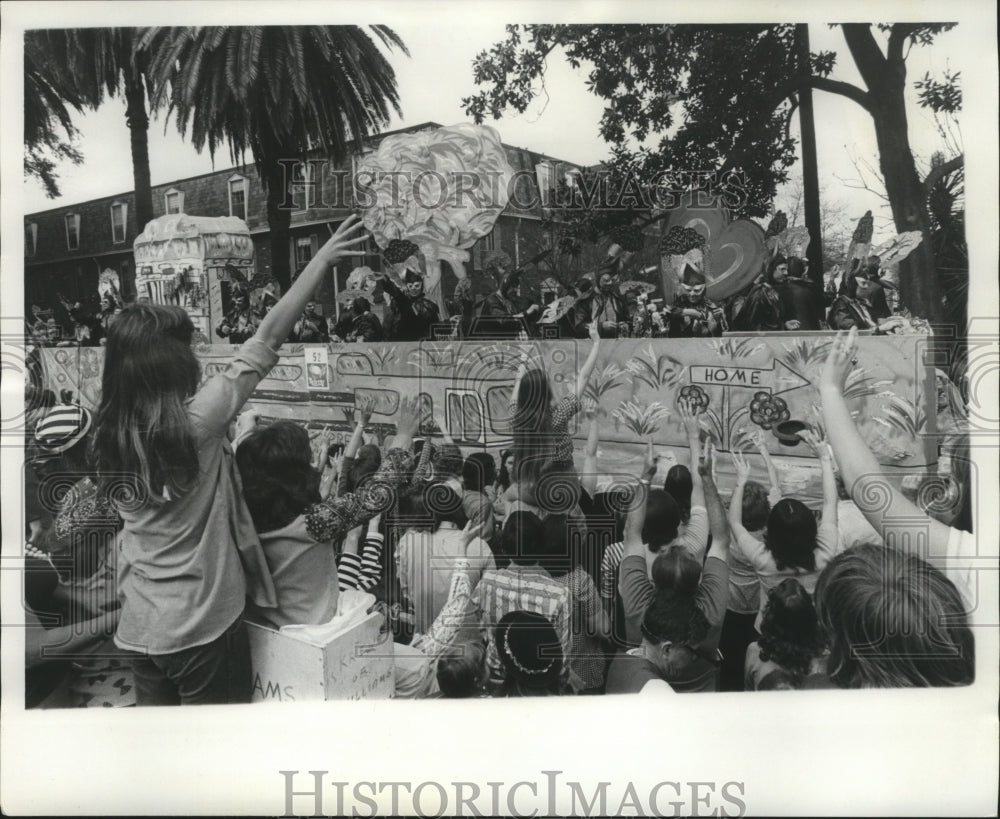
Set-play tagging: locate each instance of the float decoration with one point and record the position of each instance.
(422, 194)
(730, 257)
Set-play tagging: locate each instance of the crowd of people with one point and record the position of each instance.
(182, 516)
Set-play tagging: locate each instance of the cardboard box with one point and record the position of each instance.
(356, 665)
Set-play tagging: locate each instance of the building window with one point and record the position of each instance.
(73, 231)
(30, 238)
(119, 214)
(173, 201)
(303, 187)
(303, 251)
(238, 197)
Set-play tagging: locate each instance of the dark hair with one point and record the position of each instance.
(756, 506)
(78, 457)
(531, 426)
(460, 669)
(559, 551)
(678, 620)
(790, 633)
(412, 277)
(522, 538)
(893, 620)
(773, 265)
(413, 511)
(531, 654)
(676, 573)
(796, 267)
(360, 306)
(366, 462)
(791, 535)
(444, 505)
(142, 427)
(556, 489)
(279, 482)
(479, 471)
(46, 399)
(679, 485)
(447, 460)
(663, 516)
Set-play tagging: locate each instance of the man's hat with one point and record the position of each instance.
(412, 276)
(63, 427)
(692, 277)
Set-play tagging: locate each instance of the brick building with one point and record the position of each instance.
(66, 248)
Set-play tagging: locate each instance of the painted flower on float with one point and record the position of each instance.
(767, 411)
(697, 396)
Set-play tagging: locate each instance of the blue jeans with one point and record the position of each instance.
(216, 673)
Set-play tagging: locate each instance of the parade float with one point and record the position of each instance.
(742, 383)
(194, 262)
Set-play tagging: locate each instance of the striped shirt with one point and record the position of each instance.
(694, 539)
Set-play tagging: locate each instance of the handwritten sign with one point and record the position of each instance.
(776, 379)
(357, 664)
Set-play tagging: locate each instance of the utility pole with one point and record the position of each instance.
(810, 171)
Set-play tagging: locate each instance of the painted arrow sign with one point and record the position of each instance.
(767, 379)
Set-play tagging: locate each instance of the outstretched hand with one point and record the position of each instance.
(688, 417)
(742, 467)
(365, 406)
(349, 234)
(841, 359)
(409, 416)
(816, 443)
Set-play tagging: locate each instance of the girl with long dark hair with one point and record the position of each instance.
(162, 454)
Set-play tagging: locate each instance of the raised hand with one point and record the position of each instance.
(688, 417)
(364, 404)
(817, 444)
(409, 416)
(349, 234)
(742, 467)
(841, 359)
(246, 422)
(321, 448)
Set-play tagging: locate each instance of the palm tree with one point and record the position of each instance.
(277, 91)
(90, 65)
(49, 93)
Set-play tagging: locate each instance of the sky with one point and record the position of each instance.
(562, 123)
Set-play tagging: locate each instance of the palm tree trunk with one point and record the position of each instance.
(279, 219)
(138, 123)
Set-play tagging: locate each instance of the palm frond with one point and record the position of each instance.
(644, 421)
(604, 381)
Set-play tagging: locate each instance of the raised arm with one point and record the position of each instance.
(365, 406)
(587, 369)
(858, 466)
(277, 324)
(822, 451)
(407, 423)
(736, 501)
(718, 526)
(634, 585)
(589, 478)
(772, 472)
(690, 421)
